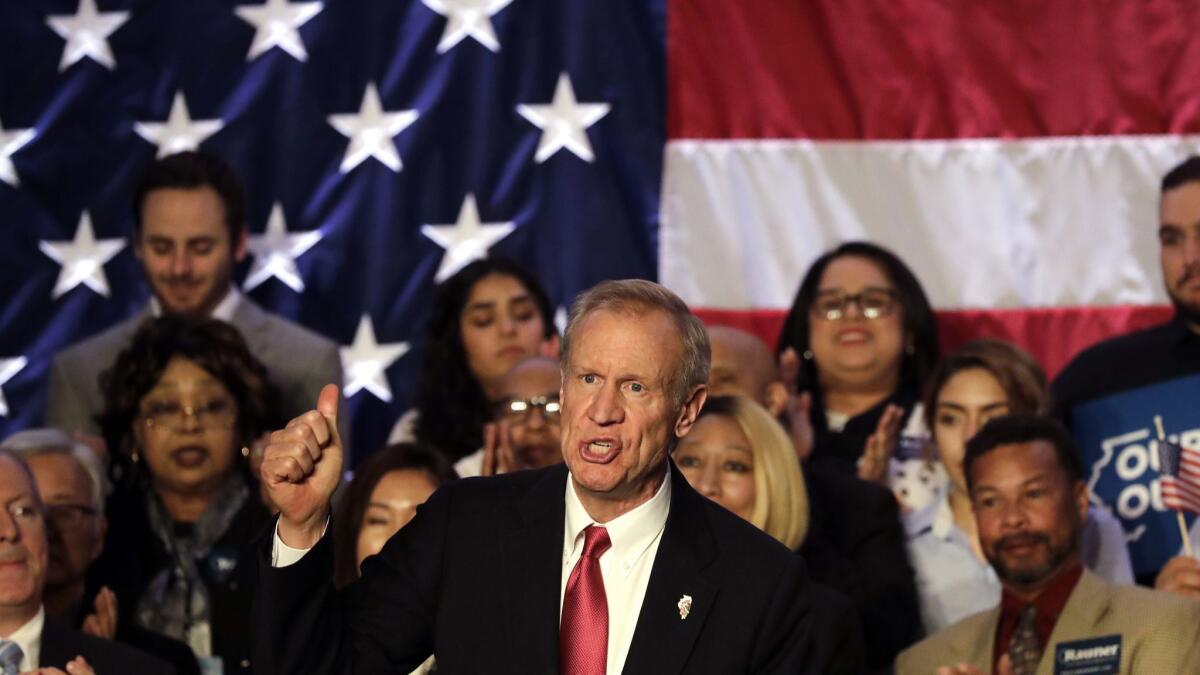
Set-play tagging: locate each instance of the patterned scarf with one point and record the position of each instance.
(176, 601)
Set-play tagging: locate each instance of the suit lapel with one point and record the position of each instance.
(1088, 604)
(664, 638)
(532, 569)
(57, 643)
(980, 651)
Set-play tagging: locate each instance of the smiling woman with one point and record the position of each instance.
(181, 403)
(862, 339)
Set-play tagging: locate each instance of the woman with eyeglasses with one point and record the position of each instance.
(182, 403)
(857, 345)
(487, 317)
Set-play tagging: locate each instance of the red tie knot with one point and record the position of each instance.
(595, 542)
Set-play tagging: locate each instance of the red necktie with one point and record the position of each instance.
(583, 634)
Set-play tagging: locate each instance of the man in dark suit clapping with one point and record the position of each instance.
(609, 564)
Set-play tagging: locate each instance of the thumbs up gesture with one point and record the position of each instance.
(301, 467)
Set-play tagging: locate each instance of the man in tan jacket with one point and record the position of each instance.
(1027, 488)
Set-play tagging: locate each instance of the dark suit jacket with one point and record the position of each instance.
(475, 579)
(298, 360)
(855, 545)
(60, 644)
(837, 633)
(161, 647)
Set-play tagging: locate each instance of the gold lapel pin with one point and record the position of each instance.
(685, 606)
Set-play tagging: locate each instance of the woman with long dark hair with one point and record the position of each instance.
(485, 319)
(857, 344)
(182, 404)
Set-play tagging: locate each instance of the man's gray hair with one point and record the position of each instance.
(639, 296)
(5, 453)
(35, 442)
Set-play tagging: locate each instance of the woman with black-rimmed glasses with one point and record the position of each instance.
(182, 404)
(857, 345)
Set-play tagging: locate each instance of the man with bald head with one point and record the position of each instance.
(742, 365)
(525, 431)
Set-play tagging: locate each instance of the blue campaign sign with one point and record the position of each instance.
(1117, 437)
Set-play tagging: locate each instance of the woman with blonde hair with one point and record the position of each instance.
(738, 455)
(742, 460)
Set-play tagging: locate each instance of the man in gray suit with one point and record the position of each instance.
(189, 235)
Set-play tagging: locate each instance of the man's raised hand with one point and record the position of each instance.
(301, 467)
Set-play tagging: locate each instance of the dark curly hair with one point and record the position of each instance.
(348, 519)
(214, 346)
(919, 325)
(451, 404)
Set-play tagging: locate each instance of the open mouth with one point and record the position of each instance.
(189, 457)
(853, 336)
(600, 451)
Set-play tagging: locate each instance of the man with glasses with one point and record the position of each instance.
(70, 479)
(525, 431)
(29, 638)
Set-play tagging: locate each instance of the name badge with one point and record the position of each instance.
(1095, 656)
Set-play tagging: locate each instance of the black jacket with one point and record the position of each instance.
(61, 644)
(855, 545)
(133, 555)
(475, 579)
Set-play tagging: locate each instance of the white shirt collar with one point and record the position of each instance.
(223, 311)
(29, 639)
(631, 533)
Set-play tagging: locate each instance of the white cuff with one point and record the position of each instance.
(283, 555)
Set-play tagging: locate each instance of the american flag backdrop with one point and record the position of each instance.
(383, 144)
(1009, 152)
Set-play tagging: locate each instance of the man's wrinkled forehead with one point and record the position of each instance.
(16, 480)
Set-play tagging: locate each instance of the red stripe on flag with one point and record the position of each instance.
(1053, 335)
(1175, 497)
(831, 69)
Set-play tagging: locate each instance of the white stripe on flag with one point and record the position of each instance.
(983, 223)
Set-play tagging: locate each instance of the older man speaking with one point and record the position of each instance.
(608, 564)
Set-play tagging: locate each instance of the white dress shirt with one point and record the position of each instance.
(625, 566)
(223, 311)
(29, 639)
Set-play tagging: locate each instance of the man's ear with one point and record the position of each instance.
(691, 410)
(775, 398)
(240, 246)
(1080, 493)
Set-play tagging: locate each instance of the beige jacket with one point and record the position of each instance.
(1160, 632)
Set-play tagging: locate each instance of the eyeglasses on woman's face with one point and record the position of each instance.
(872, 303)
(175, 415)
